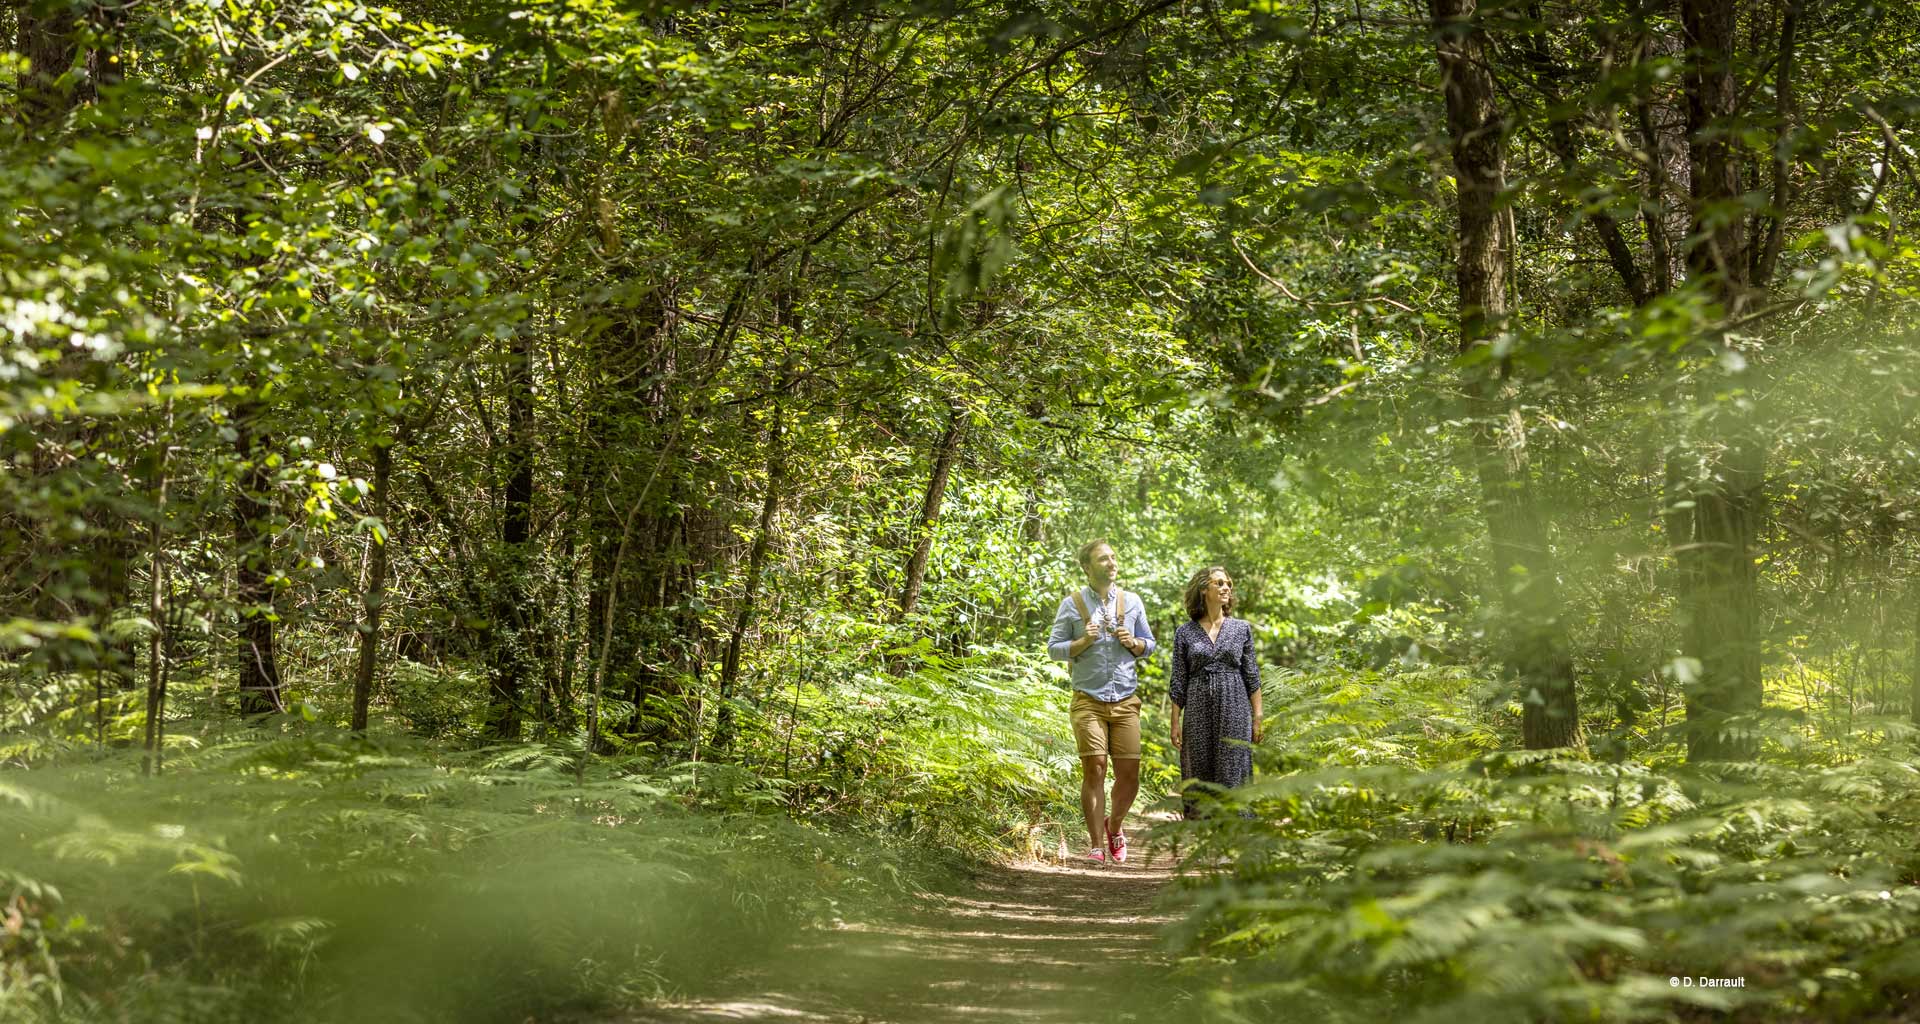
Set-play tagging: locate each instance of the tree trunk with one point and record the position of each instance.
(1662, 130)
(1721, 606)
(156, 723)
(1766, 254)
(944, 455)
(49, 39)
(1913, 665)
(1528, 593)
(375, 597)
(559, 700)
(1713, 165)
(632, 408)
(513, 615)
(48, 35)
(257, 662)
(756, 564)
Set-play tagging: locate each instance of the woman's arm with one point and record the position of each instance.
(1177, 677)
(1177, 681)
(1250, 674)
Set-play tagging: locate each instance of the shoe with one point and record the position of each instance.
(1117, 846)
(1097, 856)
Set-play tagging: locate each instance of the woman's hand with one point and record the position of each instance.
(1259, 730)
(1176, 738)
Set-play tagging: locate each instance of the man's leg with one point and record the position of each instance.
(1123, 743)
(1090, 737)
(1126, 786)
(1093, 797)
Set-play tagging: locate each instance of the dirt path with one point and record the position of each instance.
(1032, 943)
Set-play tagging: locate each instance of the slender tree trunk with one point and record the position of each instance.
(1551, 75)
(599, 677)
(568, 645)
(1661, 121)
(756, 565)
(1721, 606)
(1516, 527)
(1766, 254)
(157, 608)
(1913, 665)
(374, 600)
(513, 614)
(257, 660)
(943, 456)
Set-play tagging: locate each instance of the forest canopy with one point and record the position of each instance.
(668, 429)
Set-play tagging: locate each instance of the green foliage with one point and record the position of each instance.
(714, 398)
(321, 878)
(1399, 861)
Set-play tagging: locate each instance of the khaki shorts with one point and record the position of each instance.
(1103, 729)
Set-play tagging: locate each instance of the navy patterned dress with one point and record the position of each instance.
(1214, 682)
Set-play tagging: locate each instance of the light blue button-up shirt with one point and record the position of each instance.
(1104, 671)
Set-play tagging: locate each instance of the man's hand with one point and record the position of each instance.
(1125, 636)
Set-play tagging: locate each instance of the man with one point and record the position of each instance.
(1100, 632)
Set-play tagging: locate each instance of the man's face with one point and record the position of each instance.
(1102, 565)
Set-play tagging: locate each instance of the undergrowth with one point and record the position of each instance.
(293, 872)
(1393, 862)
(314, 878)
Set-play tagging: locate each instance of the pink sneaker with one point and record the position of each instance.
(1117, 846)
(1097, 856)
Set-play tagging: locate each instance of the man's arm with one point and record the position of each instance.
(1060, 642)
(1145, 632)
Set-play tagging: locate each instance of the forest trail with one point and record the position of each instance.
(1034, 943)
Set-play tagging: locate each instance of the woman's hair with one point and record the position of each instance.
(1195, 596)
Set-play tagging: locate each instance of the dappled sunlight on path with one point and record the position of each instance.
(1032, 942)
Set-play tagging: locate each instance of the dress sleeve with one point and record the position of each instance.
(1250, 664)
(1177, 681)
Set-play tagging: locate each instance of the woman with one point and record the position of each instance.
(1215, 687)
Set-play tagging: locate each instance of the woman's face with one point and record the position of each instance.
(1219, 591)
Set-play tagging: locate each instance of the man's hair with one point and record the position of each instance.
(1086, 550)
(1195, 596)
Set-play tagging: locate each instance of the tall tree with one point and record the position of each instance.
(756, 566)
(1528, 594)
(257, 659)
(1720, 518)
(375, 597)
(512, 617)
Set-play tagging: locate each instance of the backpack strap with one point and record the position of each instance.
(1080, 605)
